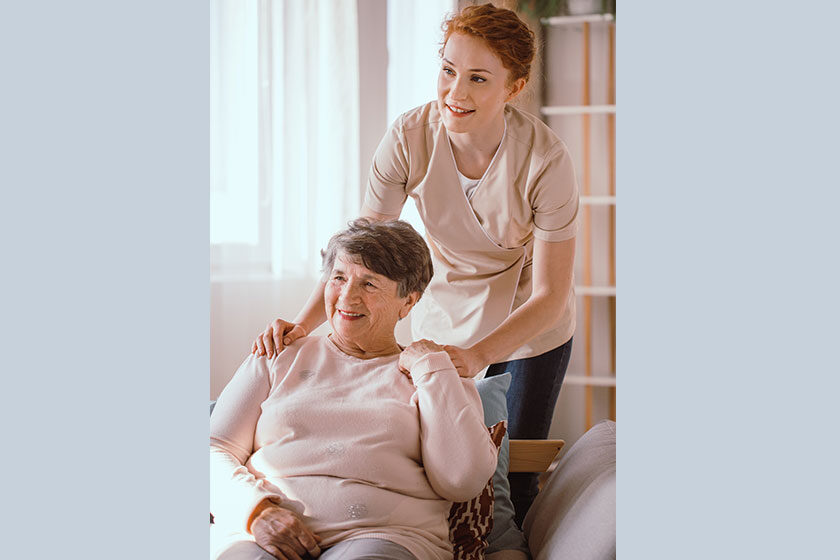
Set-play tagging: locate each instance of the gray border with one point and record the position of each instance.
(728, 278)
(105, 173)
(726, 263)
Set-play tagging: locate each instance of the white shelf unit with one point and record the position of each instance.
(590, 380)
(552, 110)
(584, 373)
(596, 291)
(597, 200)
(577, 20)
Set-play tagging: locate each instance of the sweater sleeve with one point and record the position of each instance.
(235, 493)
(458, 454)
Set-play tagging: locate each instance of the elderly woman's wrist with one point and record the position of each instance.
(264, 505)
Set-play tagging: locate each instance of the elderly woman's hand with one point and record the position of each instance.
(281, 533)
(415, 351)
(277, 335)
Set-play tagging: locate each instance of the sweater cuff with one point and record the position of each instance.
(430, 363)
(267, 502)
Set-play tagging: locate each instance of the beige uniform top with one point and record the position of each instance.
(482, 247)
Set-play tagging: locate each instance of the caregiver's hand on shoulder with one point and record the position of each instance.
(414, 352)
(466, 361)
(280, 532)
(277, 335)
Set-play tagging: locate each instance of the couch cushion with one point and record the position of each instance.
(505, 534)
(573, 516)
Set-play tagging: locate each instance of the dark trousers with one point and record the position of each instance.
(533, 393)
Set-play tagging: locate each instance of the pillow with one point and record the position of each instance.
(505, 534)
(470, 522)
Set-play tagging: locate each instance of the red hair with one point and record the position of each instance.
(502, 31)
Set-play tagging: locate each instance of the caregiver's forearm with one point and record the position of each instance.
(552, 278)
(313, 314)
(537, 315)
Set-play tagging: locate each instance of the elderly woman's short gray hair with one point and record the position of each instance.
(393, 249)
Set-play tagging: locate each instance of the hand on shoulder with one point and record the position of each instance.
(466, 361)
(277, 335)
(416, 350)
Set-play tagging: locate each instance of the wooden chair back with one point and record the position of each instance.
(533, 455)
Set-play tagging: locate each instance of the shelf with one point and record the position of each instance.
(595, 290)
(574, 20)
(591, 381)
(597, 200)
(590, 104)
(554, 110)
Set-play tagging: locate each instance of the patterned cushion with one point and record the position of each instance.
(470, 522)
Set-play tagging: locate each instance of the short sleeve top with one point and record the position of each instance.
(528, 191)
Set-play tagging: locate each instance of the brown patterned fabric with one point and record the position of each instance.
(470, 522)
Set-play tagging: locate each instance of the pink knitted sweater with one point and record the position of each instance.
(353, 446)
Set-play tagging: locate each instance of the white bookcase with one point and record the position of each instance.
(577, 100)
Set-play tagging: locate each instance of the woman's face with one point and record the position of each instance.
(362, 306)
(472, 85)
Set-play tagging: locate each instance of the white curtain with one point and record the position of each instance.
(234, 121)
(414, 36)
(285, 132)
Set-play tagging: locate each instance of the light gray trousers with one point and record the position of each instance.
(355, 549)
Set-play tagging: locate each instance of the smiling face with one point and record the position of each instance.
(473, 86)
(363, 308)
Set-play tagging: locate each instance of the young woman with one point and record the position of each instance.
(497, 193)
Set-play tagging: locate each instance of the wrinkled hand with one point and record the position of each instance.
(465, 360)
(277, 335)
(281, 533)
(414, 352)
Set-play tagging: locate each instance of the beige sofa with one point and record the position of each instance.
(573, 517)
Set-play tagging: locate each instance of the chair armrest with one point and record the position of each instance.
(533, 455)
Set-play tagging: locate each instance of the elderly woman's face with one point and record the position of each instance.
(363, 307)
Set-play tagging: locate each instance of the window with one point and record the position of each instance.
(284, 133)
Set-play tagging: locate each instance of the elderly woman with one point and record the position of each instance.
(349, 444)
